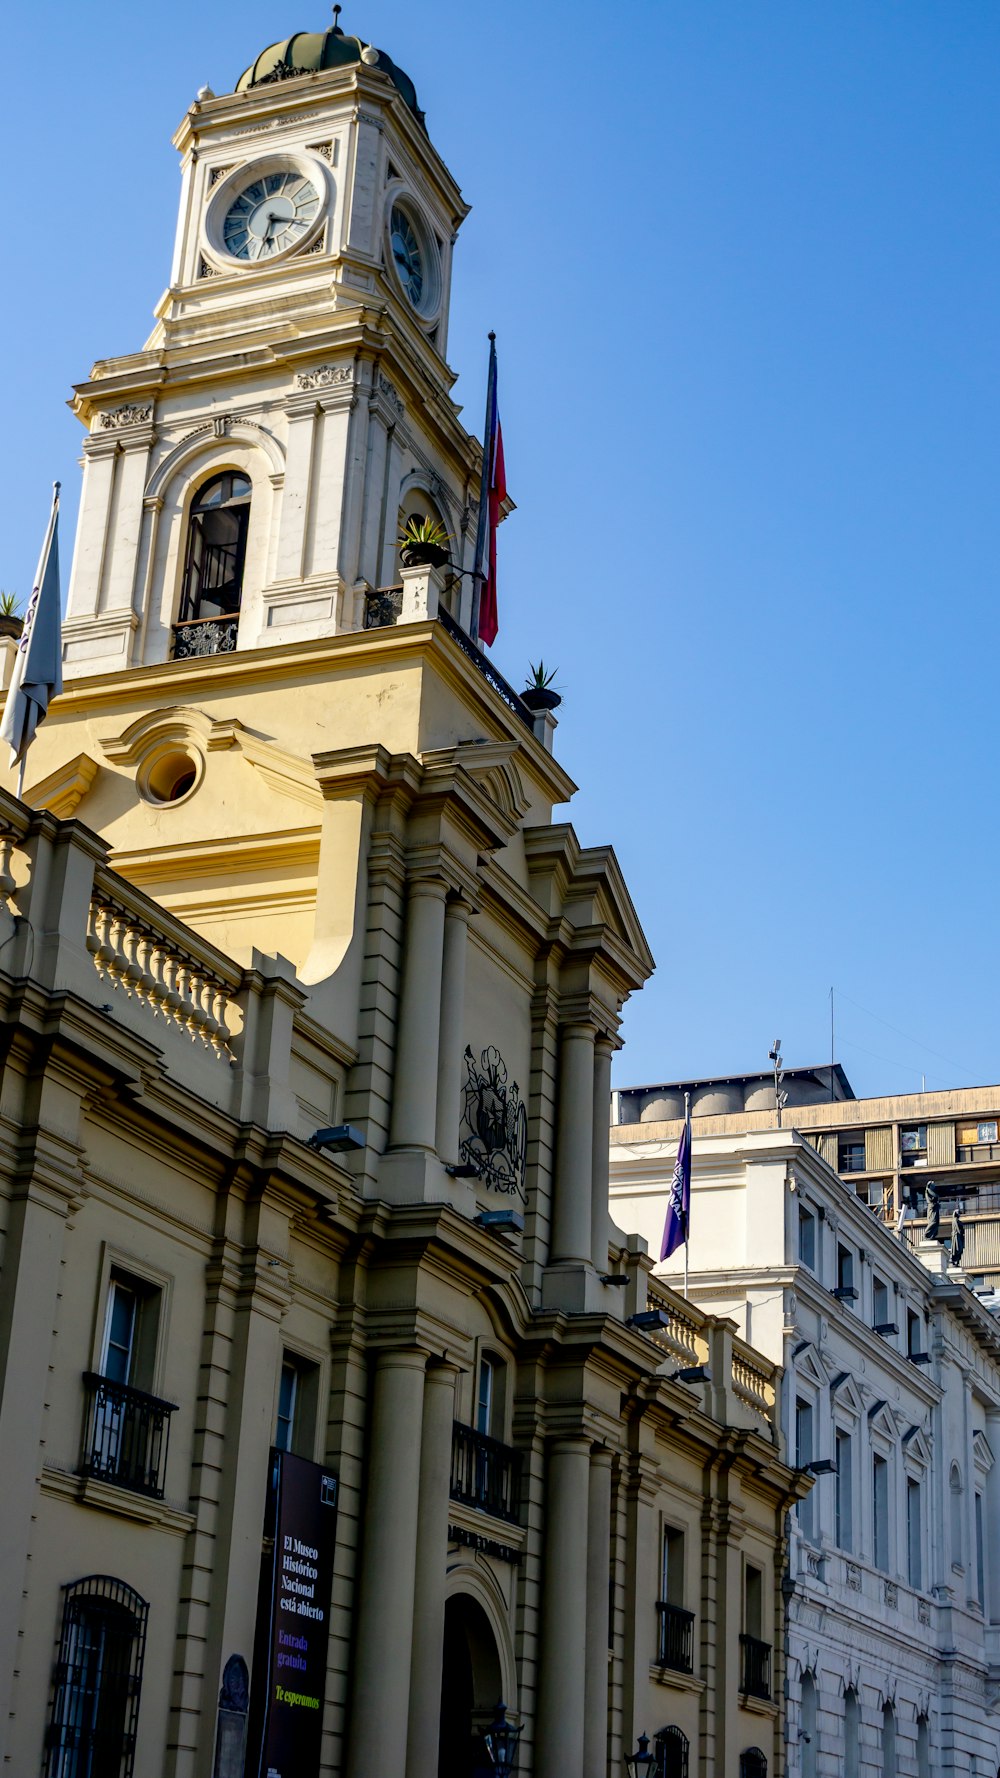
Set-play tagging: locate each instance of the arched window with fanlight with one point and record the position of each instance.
(672, 1749)
(95, 1709)
(216, 548)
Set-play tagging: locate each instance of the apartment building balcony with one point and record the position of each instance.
(675, 1640)
(126, 1434)
(485, 1474)
(755, 1667)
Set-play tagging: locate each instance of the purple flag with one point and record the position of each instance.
(675, 1228)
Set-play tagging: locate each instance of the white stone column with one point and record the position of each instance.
(563, 1652)
(431, 1572)
(87, 572)
(571, 1211)
(600, 1219)
(595, 1722)
(456, 937)
(290, 562)
(418, 1031)
(386, 1576)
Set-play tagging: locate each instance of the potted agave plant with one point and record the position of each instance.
(539, 693)
(423, 543)
(11, 624)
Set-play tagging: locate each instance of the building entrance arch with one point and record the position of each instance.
(471, 1685)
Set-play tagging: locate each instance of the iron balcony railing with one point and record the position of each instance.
(485, 1473)
(382, 607)
(756, 1664)
(204, 635)
(676, 1638)
(125, 1436)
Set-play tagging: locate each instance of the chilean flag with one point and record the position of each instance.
(492, 494)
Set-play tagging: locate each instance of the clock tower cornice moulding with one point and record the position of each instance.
(252, 116)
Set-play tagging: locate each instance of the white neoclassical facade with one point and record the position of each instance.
(891, 1396)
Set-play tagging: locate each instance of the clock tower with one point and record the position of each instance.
(246, 473)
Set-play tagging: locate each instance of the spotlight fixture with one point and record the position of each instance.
(463, 1170)
(692, 1373)
(339, 1139)
(648, 1320)
(502, 1222)
(820, 1466)
(618, 1279)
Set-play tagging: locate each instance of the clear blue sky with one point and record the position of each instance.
(743, 265)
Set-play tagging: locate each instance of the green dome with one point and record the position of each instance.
(310, 52)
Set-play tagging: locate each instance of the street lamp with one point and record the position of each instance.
(500, 1741)
(642, 1763)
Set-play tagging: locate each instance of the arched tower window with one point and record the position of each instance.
(671, 1748)
(216, 548)
(98, 1678)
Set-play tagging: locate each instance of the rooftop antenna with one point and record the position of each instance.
(780, 1096)
(336, 17)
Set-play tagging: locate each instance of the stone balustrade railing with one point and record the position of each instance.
(755, 1382)
(741, 1384)
(138, 952)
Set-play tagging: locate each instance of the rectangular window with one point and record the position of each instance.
(131, 1320)
(753, 1602)
(845, 1274)
(845, 1492)
(484, 1397)
(913, 1145)
(980, 1554)
(914, 1563)
(807, 1238)
(851, 1154)
(673, 1566)
(880, 1303)
(914, 1334)
(298, 1399)
(987, 1131)
(803, 1455)
(880, 1512)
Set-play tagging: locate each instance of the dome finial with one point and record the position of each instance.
(336, 20)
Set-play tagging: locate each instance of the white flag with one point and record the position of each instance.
(37, 675)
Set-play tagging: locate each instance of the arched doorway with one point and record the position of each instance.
(471, 1686)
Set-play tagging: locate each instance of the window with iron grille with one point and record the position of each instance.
(216, 548)
(95, 1708)
(753, 1764)
(671, 1748)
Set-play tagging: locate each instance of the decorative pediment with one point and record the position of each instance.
(916, 1446)
(982, 1453)
(810, 1366)
(880, 1421)
(176, 724)
(63, 791)
(845, 1394)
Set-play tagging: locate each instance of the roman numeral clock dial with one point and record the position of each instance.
(269, 215)
(265, 212)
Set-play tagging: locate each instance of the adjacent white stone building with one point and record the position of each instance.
(891, 1394)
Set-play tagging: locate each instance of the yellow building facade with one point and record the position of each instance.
(311, 1303)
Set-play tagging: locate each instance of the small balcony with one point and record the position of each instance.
(205, 635)
(485, 1474)
(675, 1642)
(755, 1663)
(125, 1436)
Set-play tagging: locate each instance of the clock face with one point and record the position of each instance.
(270, 214)
(407, 255)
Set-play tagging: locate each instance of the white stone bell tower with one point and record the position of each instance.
(245, 473)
